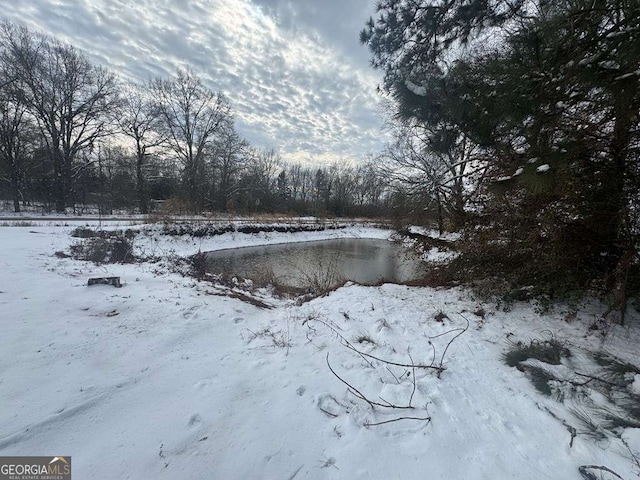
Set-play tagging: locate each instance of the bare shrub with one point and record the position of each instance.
(323, 279)
(17, 223)
(199, 265)
(175, 206)
(87, 232)
(100, 250)
(84, 232)
(277, 339)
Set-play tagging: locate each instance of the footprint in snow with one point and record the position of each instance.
(330, 406)
(300, 391)
(190, 313)
(203, 384)
(238, 320)
(195, 420)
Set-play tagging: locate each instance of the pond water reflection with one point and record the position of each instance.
(320, 264)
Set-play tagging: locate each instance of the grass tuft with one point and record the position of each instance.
(363, 338)
(540, 379)
(547, 351)
(590, 427)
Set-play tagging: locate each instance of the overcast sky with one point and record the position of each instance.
(294, 70)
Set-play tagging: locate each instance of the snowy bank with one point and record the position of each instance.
(161, 379)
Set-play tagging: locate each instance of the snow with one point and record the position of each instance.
(162, 379)
(430, 232)
(416, 89)
(543, 168)
(435, 255)
(609, 65)
(587, 60)
(628, 75)
(154, 243)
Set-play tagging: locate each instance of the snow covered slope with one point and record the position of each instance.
(161, 379)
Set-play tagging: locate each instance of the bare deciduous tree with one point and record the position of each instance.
(70, 99)
(139, 119)
(192, 115)
(430, 167)
(230, 156)
(14, 125)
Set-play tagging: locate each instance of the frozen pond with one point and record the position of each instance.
(319, 264)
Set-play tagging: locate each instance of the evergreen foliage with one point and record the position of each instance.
(548, 92)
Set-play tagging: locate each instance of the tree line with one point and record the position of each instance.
(73, 134)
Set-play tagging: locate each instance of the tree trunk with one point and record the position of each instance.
(458, 205)
(140, 183)
(193, 194)
(15, 187)
(440, 215)
(59, 176)
(61, 200)
(618, 308)
(625, 113)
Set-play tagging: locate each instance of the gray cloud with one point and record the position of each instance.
(294, 71)
(335, 21)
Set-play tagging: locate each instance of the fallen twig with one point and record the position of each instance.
(425, 419)
(634, 456)
(450, 342)
(351, 388)
(598, 379)
(388, 362)
(414, 379)
(572, 430)
(433, 347)
(327, 412)
(344, 340)
(364, 355)
(590, 476)
(242, 297)
(446, 333)
(394, 376)
(361, 396)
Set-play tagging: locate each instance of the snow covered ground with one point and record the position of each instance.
(161, 379)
